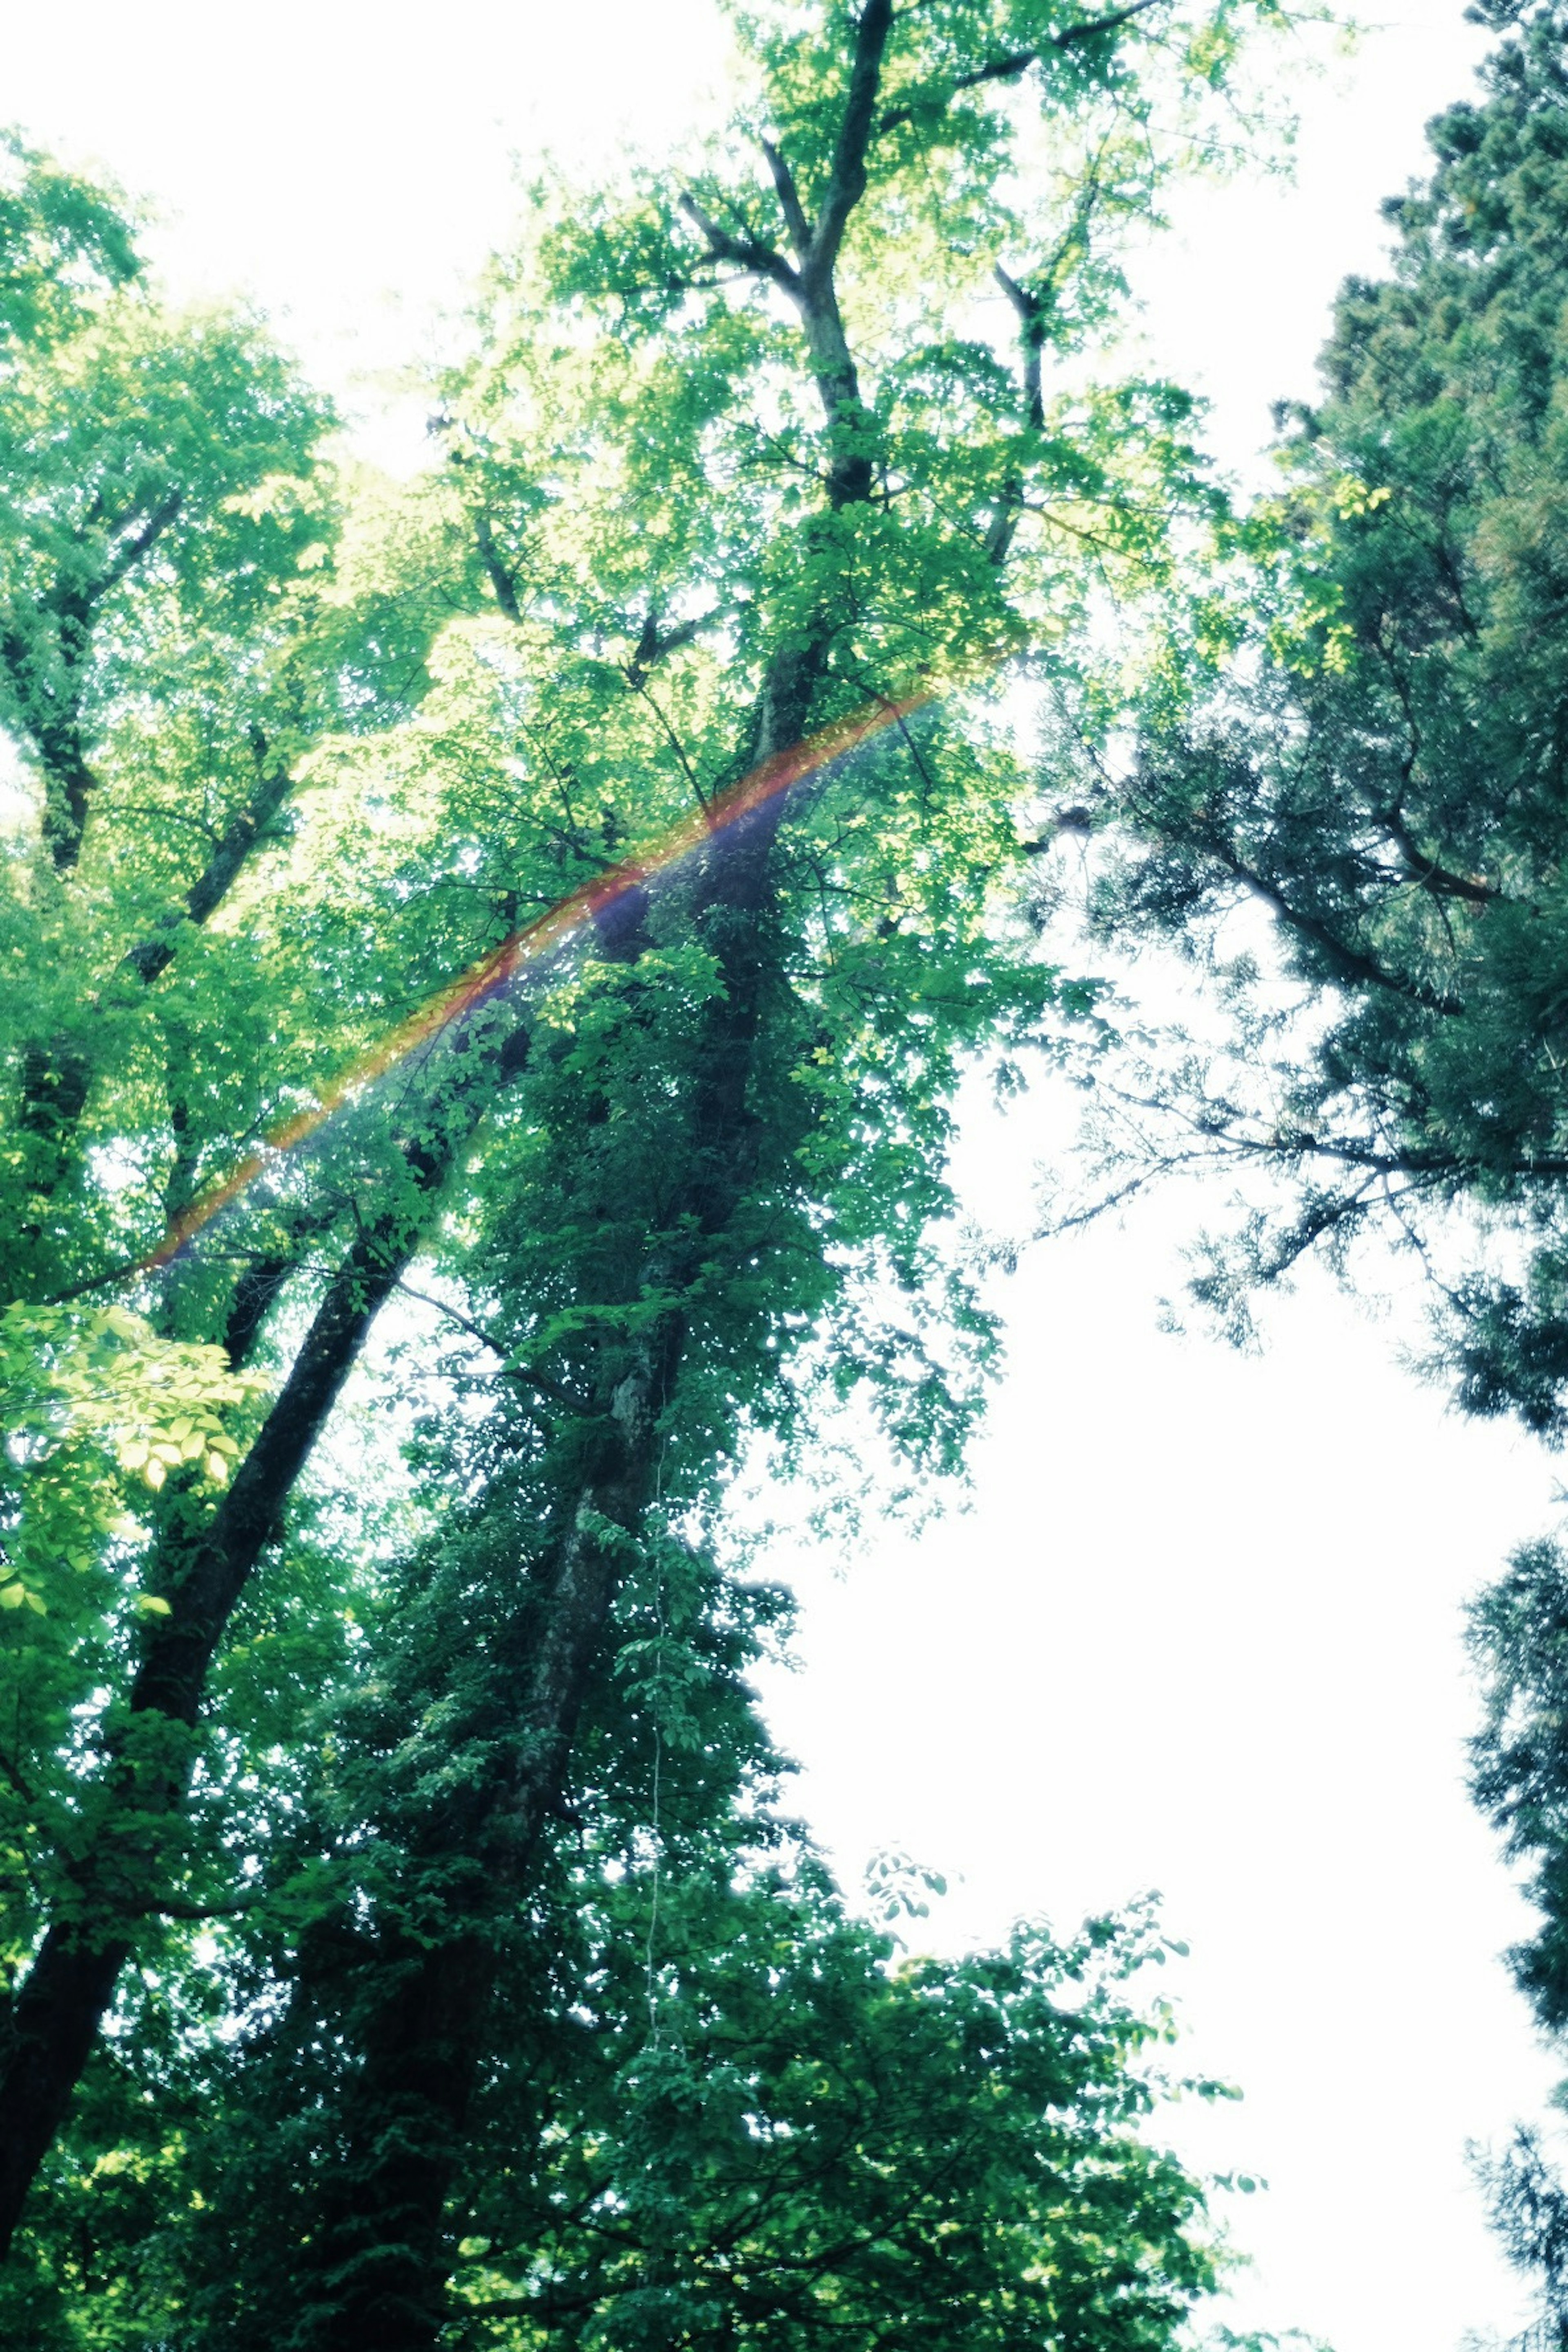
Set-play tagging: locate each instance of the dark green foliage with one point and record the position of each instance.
(1519, 1636)
(1531, 2212)
(813, 2141)
(714, 2109)
(1366, 730)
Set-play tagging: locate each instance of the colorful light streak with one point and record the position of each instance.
(531, 944)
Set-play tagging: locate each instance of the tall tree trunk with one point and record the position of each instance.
(382, 2250)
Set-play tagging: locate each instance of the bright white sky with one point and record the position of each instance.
(1200, 1631)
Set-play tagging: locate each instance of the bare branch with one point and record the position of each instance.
(538, 1381)
(638, 683)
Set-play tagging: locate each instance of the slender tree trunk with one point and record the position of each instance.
(48, 2032)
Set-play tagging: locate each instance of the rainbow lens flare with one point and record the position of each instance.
(531, 944)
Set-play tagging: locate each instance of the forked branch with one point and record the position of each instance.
(748, 253)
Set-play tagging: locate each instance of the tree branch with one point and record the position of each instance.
(1030, 307)
(846, 178)
(790, 205)
(653, 642)
(639, 685)
(541, 1384)
(1348, 961)
(1426, 871)
(133, 550)
(1008, 67)
(1070, 35)
(218, 877)
(173, 1906)
(745, 252)
(1014, 63)
(501, 579)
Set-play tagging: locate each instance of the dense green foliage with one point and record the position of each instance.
(403, 1943)
(1519, 1634)
(1364, 728)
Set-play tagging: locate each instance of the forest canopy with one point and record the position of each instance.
(538, 913)
(490, 958)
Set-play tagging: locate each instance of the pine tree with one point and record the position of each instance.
(1363, 728)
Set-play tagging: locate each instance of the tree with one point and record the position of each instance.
(1363, 728)
(713, 2109)
(687, 546)
(1519, 1771)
